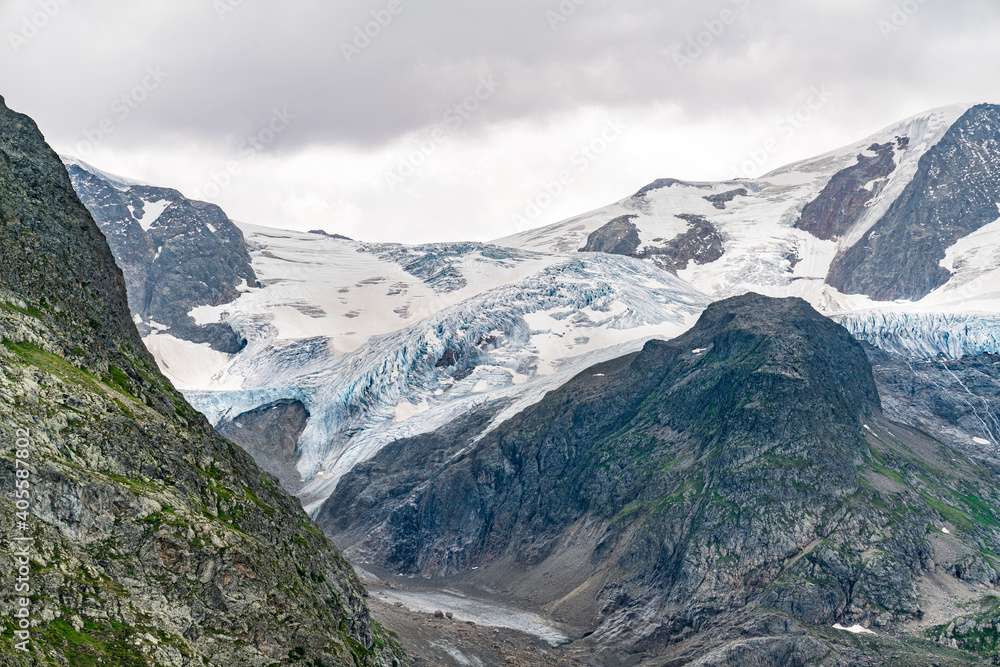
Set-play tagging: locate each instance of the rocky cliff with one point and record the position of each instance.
(733, 493)
(176, 254)
(151, 539)
(955, 192)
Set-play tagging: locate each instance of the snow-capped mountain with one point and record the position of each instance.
(175, 253)
(383, 342)
(345, 346)
(906, 220)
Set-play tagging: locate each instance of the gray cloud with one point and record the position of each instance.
(226, 74)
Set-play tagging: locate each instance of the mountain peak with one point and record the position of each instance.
(741, 470)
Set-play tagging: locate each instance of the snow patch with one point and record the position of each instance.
(117, 182)
(980, 251)
(152, 210)
(189, 366)
(981, 441)
(405, 410)
(855, 629)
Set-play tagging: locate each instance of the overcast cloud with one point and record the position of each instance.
(288, 114)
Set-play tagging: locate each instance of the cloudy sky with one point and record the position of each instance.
(427, 120)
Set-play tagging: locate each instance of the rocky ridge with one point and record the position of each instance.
(154, 541)
(176, 254)
(726, 494)
(955, 192)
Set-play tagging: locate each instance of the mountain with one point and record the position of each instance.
(140, 536)
(721, 498)
(900, 226)
(176, 254)
(504, 418)
(362, 344)
(342, 347)
(865, 225)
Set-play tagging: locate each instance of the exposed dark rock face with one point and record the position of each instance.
(190, 255)
(155, 541)
(844, 199)
(661, 183)
(270, 434)
(437, 264)
(745, 466)
(954, 193)
(618, 237)
(957, 400)
(448, 359)
(701, 243)
(720, 200)
(395, 473)
(322, 232)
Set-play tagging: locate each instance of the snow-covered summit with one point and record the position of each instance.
(119, 182)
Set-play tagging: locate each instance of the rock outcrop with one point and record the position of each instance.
(151, 539)
(843, 201)
(270, 434)
(707, 491)
(618, 237)
(955, 192)
(176, 254)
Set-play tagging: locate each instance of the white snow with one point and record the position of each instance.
(117, 182)
(760, 240)
(945, 531)
(344, 328)
(759, 232)
(152, 210)
(855, 629)
(981, 441)
(758, 229)
(190, 366)
(405, 410)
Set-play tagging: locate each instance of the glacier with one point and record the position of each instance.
(926, 335)
(385, 341)
(507, 346)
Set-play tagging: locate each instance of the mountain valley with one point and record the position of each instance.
(750, 422)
